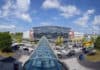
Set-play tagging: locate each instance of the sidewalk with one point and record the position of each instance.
(23, 59)
(73, 64)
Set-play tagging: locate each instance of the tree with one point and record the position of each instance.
(17, 36)
(5, 42)
(59, 40)
(93, 39)
(97, 43)
(83, 40)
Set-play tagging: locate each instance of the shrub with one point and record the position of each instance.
(97, 43)
(5, 41)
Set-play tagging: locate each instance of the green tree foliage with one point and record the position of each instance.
(5, 41)
(93, 39)
(97, 43)
(83, 40)
(17, 36)
(59, 40)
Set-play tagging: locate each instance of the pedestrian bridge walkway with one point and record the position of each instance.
(43, 58)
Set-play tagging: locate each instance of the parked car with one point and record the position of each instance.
(15, 47)
(71, 53)
(64, 53)
(26, 49)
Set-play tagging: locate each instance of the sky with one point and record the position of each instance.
(22, 15)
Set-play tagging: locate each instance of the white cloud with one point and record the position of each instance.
(69, 11)
(89, 12)
(85, 18)
(45, 23)
(16, 9)
(66, 11)
(7, 5)
(82, 20)
(5, 9)
(7, 26)
(25, 17)
(95, 27)
(96, 24)
(96, 20)
(50, 4)
(23, 5)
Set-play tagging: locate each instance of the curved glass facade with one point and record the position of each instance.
(43, 58)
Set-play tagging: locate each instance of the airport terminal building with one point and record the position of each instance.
(51, 32)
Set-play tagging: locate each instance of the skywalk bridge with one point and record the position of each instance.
(43, 58)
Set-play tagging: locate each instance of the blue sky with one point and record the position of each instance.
(22, 15)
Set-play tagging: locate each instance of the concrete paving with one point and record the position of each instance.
(23, 59)
(73, 64)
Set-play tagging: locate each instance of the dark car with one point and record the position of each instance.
(15, 47)
(71, 53)
(26, 49)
